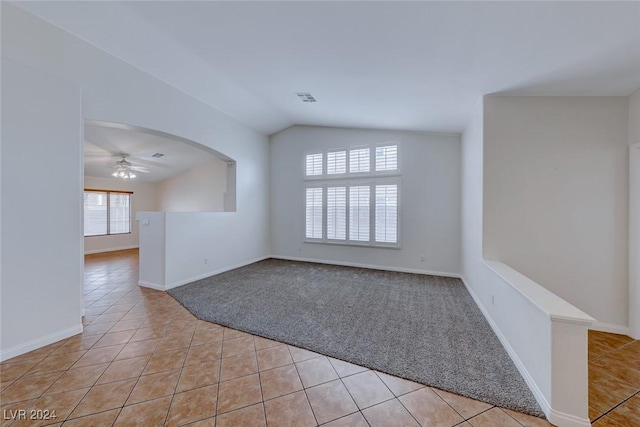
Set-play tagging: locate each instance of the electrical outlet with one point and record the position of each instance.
(493, 300)
(206, 260)
(422, 258)
(299, 248)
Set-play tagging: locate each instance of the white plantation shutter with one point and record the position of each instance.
(313, 223)
(359, 213)
(359, 160)
(337, 213)
(387, 213)
(314, 164)
(336, 162)
(338, 202)
(387, 158)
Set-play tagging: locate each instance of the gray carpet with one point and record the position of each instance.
(423, 328)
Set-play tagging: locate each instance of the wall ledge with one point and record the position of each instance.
(546, 301)
(565, 402)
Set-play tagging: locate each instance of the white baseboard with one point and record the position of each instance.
(34, 344)
(121, 248)
(370, 266)
(555, 417)
(347, 264)
(151, 285)
(610, 327)
(213, 273)
(563, 419)
(537, 393)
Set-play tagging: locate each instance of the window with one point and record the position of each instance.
(337, 213)
(354, 201)
(387, 213)
(359, 213)
(314, 164)
(314, 213)
(387, 158)
(107, 212)
(359, 160)
(336, 162)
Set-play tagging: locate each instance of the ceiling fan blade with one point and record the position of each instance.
(98, 155)
(139, 169)
(150, 163)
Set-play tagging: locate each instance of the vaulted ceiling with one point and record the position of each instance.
(400, 65)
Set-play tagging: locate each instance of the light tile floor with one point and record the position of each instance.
(614, 380)
(143, 360)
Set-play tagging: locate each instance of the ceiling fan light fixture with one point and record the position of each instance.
(123, 172)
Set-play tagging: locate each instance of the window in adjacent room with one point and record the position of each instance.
(107, 212)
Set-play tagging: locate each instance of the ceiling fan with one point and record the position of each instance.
(125, 170)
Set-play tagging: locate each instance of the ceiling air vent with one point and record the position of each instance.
(306, 97)
(158, 155)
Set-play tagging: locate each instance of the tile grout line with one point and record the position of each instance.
(215, 413)
(304, 389)
(264, 411)
(349, 392)
(399, 401)
(97, 379)
(616, 406)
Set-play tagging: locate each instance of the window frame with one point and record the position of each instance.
(352, 175)
(304, 165)
(108, 208)
(360, 173)
(396, 171)
(323, 219)
(372, 178)
(325, 206)
(326, 174)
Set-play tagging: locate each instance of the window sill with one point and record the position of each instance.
(110, 234)
(352, 176)
(352, 244)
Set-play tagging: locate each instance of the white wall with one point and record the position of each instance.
(199, 189)
(544, 335)
(142, 199)
(153, 256)
(41, 209)
(429, 197)
(556, 197)
(116, 92)
(471, 196)
(510, 312)
(634, 214)
(634, 118)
